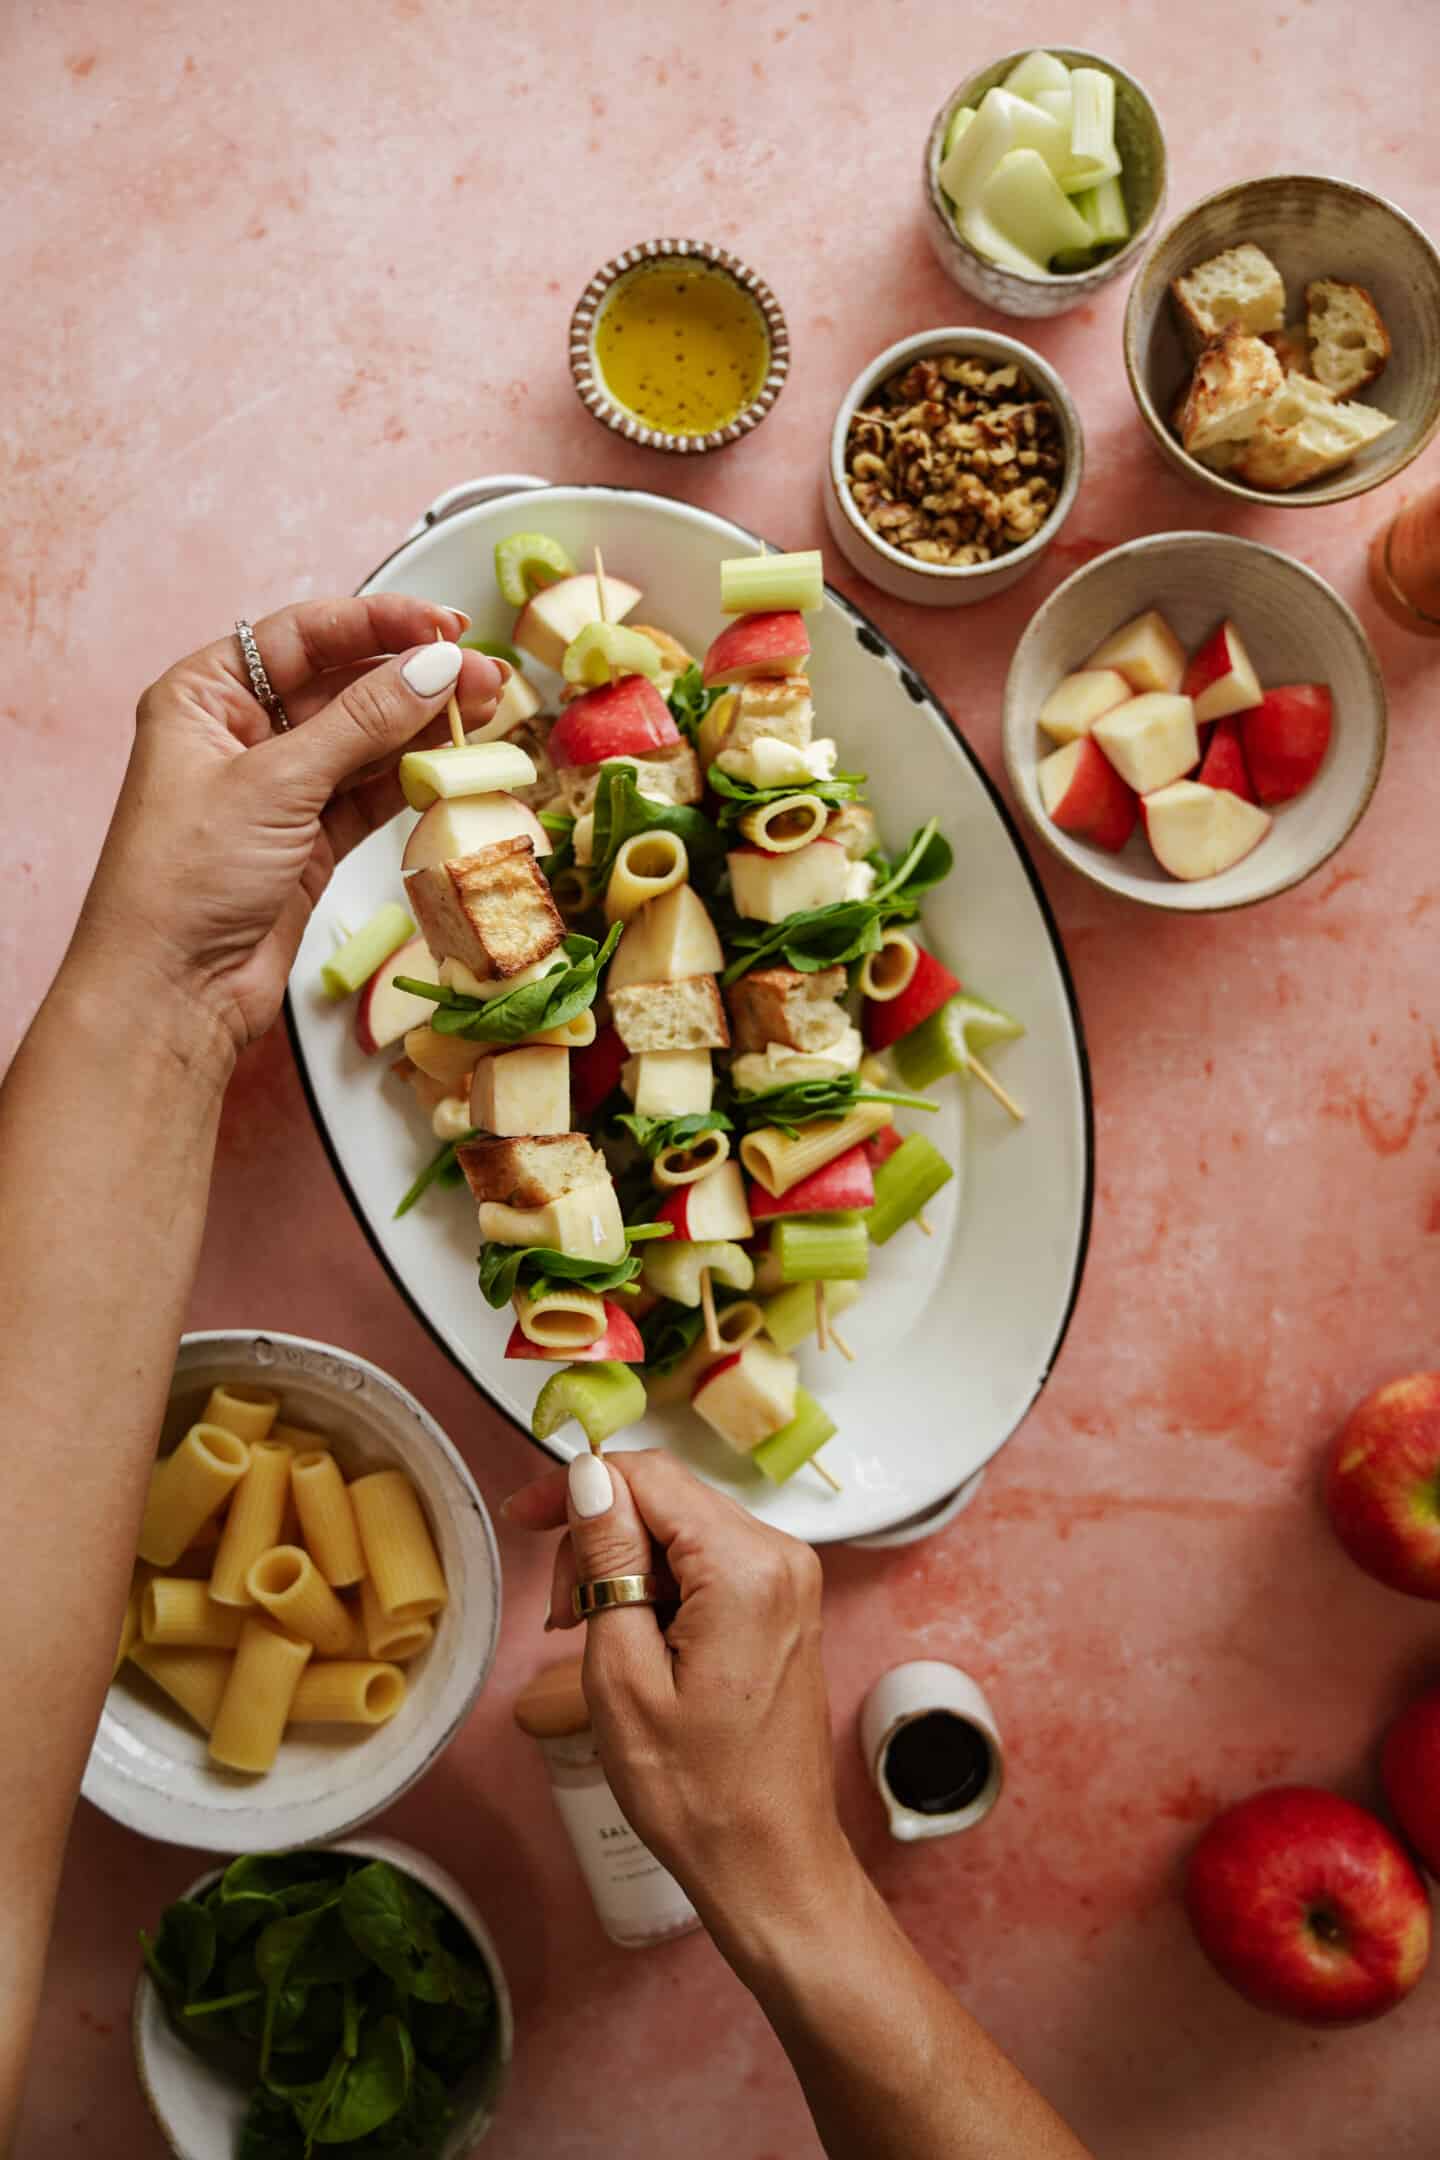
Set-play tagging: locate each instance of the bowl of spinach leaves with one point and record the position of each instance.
(344, 2000)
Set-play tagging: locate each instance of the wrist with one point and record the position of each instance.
(775, 1930)
(132, 1005)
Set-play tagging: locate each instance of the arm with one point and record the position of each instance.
(716, 1740)
(222, 840)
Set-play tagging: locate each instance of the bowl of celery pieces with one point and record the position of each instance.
(1044, 174)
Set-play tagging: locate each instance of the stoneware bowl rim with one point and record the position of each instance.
(1353, 479)
(1018, 728)
(963, 340)
(590, 383)
(438, 1880)
(1047, 280)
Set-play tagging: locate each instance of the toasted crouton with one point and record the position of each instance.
(684, 1015)
(1306, 435)
(673, 657)
(1350, 339)
(773, 705)
(780, 1005)
(852, 826)
(1235, 379)
(1242, 286)
(1291, 347)
(671, 774)
(492, 909)
(532, 1171)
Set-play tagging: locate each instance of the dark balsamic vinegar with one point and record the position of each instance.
(938, 1764)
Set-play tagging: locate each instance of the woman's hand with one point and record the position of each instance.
(225, 834)
(715, 1734)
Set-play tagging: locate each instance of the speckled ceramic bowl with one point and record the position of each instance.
(590, 384)
(1295, 629)
(198, 2110)
(149, 1766)
(1140, 140)
(946, 584)
(1311, 227)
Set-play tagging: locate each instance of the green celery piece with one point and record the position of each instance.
(524, 562)
(943, 1043)
(603, 1399)
(1039, 71)
(1025, 202)
(763, 584)
(1093, 156)
(1069, 262)
(602, 652)
(904, 1183)
(790, 1315)
(496, 648)
(962, 118)
(350, 967)
(1103, 209)
(822, 1248)
(674, 1269)
(791, 1448)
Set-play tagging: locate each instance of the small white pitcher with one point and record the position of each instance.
(899, 1698)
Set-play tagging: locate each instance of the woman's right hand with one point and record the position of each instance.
(715, 1734)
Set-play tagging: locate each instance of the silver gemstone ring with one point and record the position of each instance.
(259, 680)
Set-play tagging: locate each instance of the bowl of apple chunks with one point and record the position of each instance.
(1194, 721)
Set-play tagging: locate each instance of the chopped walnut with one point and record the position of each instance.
(954, 461)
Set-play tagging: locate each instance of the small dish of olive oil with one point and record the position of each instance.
(677, 346)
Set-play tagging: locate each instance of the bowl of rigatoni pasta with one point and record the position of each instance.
(314, 1608)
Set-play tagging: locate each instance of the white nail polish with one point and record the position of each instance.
(592, 1489)
(433, 669)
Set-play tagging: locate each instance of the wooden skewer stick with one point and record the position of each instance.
(822, 1317)
(927, 1227)
(602, 597)
(819, 1467)
(988, 1080)
(457, 725)
(840, 1343)
(714, 1340)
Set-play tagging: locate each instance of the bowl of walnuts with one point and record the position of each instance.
(955, 458)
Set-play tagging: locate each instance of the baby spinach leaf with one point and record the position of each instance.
(739, 796)
(442, 1169)
(180, 1957)
(689, 701)
(668, 1332)
(567, 990)
(804, 1100)
(845, 931)
(378, 1913)
(562, 831)
(654, 1134)
(504, 1267)
(621, 811)
(372, 2089)
(270, 2130)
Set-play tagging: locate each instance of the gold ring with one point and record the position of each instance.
(588, 1598)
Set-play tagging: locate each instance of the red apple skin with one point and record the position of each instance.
(882, 1145)
(1286, 736)
(1098, 805)
(713, 1372)
(776, 643)
(621, 1341)
(885, 1020)
(1223, 765)
(1410, 1769)
(846, 1182)
(1382, 1485)
(1309, 1907)
(1216, 659)
(595, 1073)
(620, 719)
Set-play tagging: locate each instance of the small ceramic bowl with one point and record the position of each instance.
(198, 2109)
(590, 384)
(1294, 628)
(1140, 140)
(148, 1765)
(1311, 227)
(946, 584)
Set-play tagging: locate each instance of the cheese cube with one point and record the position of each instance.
(767, 888)
(748, 1397)
(584, 1222)
(522, 1091)
(669, 1083)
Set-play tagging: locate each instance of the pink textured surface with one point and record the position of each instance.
(276, 279)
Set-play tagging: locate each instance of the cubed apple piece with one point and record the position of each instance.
(1084, 795)
(384, 1013)
(775, 643)
(1223, 765)
(449, 830)
(1196, 832)
(713, 1209)
(767, 888)
(595, 1073)
(667, 940)
(551, 618)
(669, 1083)
(522, 1091)
(1286, 738)
(748, 1396)
(1220, 678)
(519, 702)
(1146, 652)
(1151, 740)
(628, 718)
(1079, 700)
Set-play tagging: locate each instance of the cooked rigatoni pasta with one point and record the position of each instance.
(195, 1679)
(190, 1486)
(292, 1590)
(888, 970)
(326, 1518)
(259, 1694)
(777, 1161)
(253, 1525)
(685, 1162)
(784, 826)
(736, 1323)
(349, 1693)
(397, 1640)
(647, 865)
(561, 1319)
(247, 1412)
(576, 1033)
(399, 1553)
(130, 1632)
(178, 1614)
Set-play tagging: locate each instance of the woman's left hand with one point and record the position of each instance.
(225, 833)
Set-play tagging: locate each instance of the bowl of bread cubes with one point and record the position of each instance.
(1282, 341)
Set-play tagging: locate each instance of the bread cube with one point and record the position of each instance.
(668, 774)
(1240, 286)
(780, 1005)
(1307, 434)
(684, 1015)
(522, 1091)
(852, 826)
(1236, 379)
(1347, 332)
(492, 910)
(778, 705)
(529, 1172)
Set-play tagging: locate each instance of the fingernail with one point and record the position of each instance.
(460, 618)
(433, 669)
(549, 1627)
(592, 1489)
(505, 1506)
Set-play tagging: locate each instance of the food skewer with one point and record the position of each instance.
(922, 1224)
(457, 725)
(602, 598)
(987, 1080)
(840, 1343)
(714, 1340)
(822, 1317)
(819, 1468)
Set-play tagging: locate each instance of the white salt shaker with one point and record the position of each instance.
(933, 1749)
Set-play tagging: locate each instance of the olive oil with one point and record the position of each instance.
(682, 347)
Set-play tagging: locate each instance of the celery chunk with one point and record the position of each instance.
(985, 236)
(352, 964)
(822, 1248)
(476, 769)
(495, 647)
(524, 562)
(773, 584)
(1002, 124)
(791, 1448)
(943, 1043)
(791, 1315)
(1093, 156)
(904, 1183)
(604, 651)
(1036, 74)
(1103, 209)
(962, 118)
(673, 1269)
(1025, 202)
(602, 1398)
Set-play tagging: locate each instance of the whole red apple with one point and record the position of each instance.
(1410, 1767)
(1309, 1906)
(1382, 1484)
